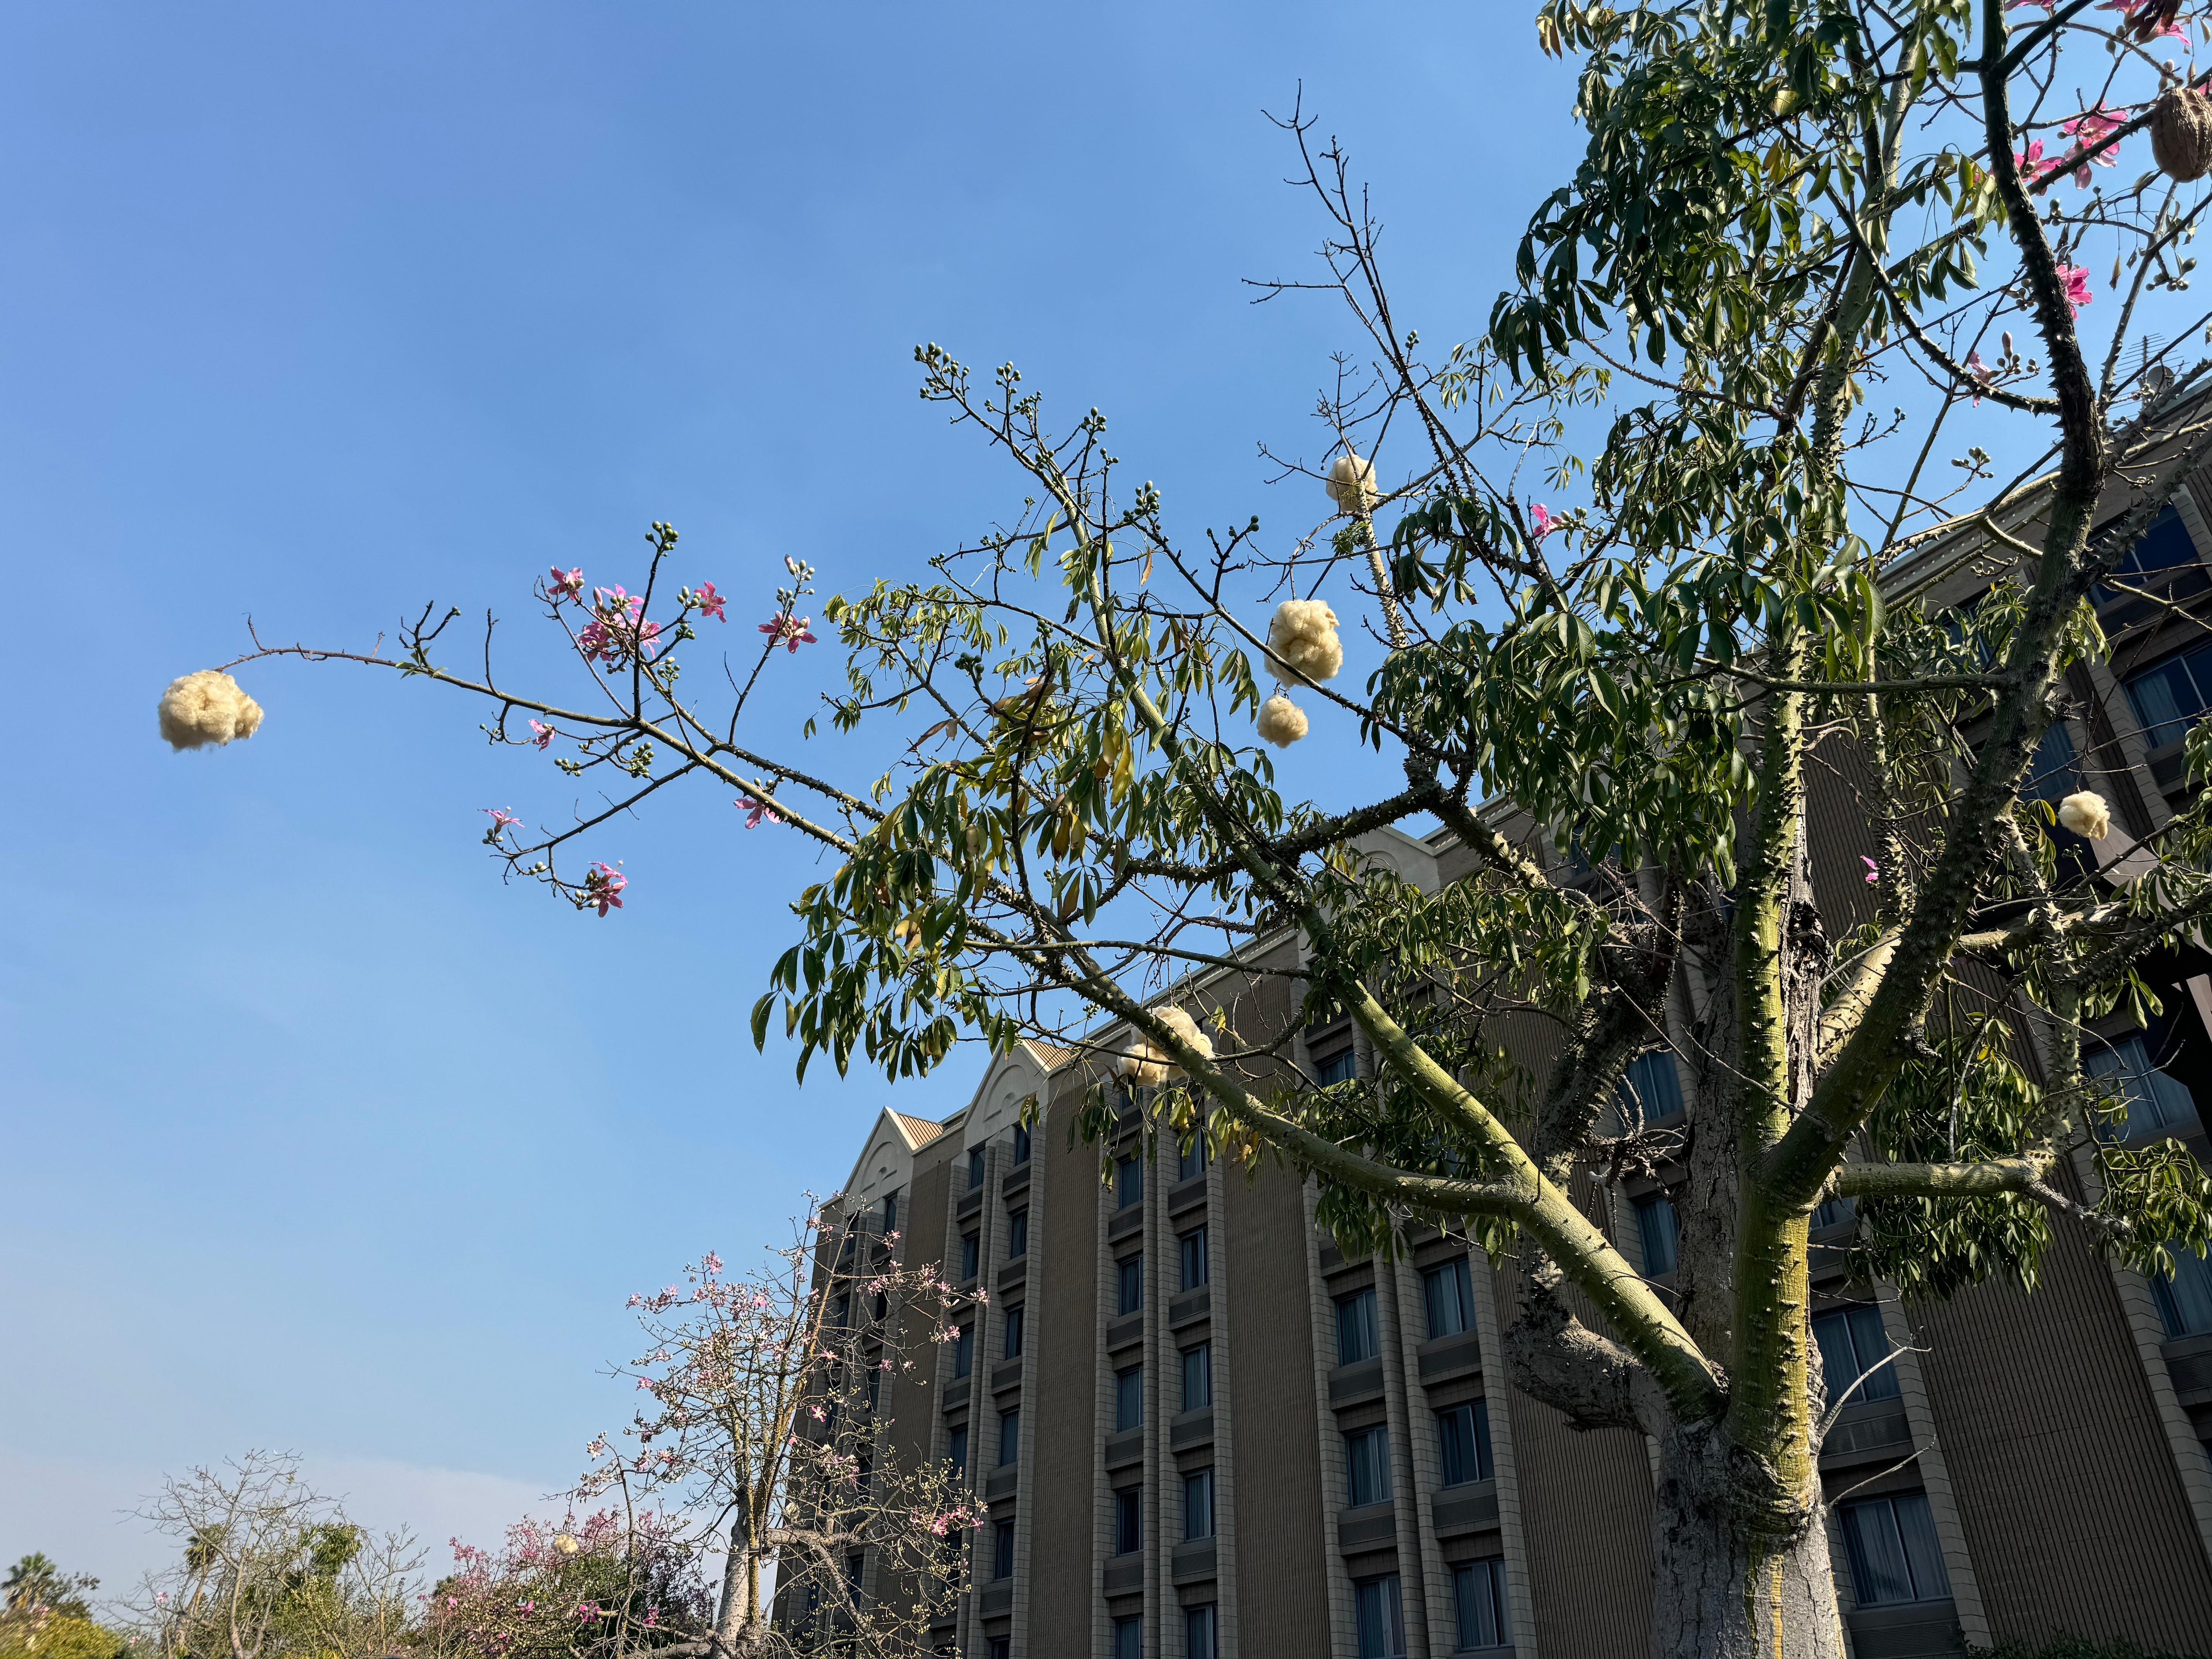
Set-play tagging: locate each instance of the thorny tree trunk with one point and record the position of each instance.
(1735, 1580)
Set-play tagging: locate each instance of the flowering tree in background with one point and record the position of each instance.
(599, 1587)
(45, 1612)
(1781, 209)
(765, 1421)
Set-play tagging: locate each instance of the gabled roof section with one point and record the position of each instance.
(920, 1131)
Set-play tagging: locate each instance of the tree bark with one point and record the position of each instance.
(1743, 1566)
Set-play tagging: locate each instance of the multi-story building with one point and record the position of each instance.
(1204, 1432)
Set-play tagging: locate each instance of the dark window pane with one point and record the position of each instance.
(1021, 1143)
(1002, 1550)
(1129, 1399)
(1463, 1441)
(1479, 1604)
(971, 1245)
(1355, 1327)
(1131, 1272)
(1128, 1183)
(1198, 1503)
(1381, 1617)
(2184, 1296)
(1657, 1227)
(963, 1350)
(1834, 1213)
(2168, 699)
(1010, 1437)
(1190, 1161)
(956, 1450)
(1339, 1067)
(1198, 1377)
(1651, 1088)
(1014, 1320)
(890, 1212)
(1367, 1466)
(1852, 1343)
(1893, 1552)
(1130, 1638)
(1448, 1296)
(975, 1168)
(1129, 1520)
(1198, 1633)
(1018, 1233)
(1191, 1248)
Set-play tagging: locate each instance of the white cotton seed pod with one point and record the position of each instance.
(565, 1543)
(198, 709)
(1143, 1066)
(2086, 814)
(1302, 634)
(1281, 722)
(1351, 484)
(1186, 1028)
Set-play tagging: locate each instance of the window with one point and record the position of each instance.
(1651, 1089)
(1895, 1556)
(2156, 1103)
(1021, 1143)
(971, 1255)
(1198, 1503)
(1128, 1183)
(842, 1315)
(890, 1212)
(1128, 1521)
(2172, 697)
(1367, 1465)
(1129, 1637)
(1014, 1322)
(882, 1305)
(1355, 1327)
(1129, 1399)
(1018, 1233)
(1381, 1617)
(955, 1451)
(2052, 773)
(975, 1168)
(1479, 1602)
(1463, 1442)
(1659, 1231)
(1834, 1212)
(1002, 1647)
(963, 1350)
(1010, 1437)
(1198, 1377)
(1198, 1628)
(1339, 1066)
(1002, 1550)
(1448, 1295)
(2184, 1296)
(1852, 1343)
(875, 1389)
(1190, 1161)
(1130, 1270)
(2151, 563)
(1190, 1250)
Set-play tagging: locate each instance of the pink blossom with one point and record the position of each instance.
(603, 886)
(1541, 522)
(756, 812)
(2129, 8)
(566, 586)
(543, 733)
(711, 1263)
(1985, 373)
(501, 818)
(2076, 282)
(711, 602)
(1874, 870)
(2031, 163)
(789, 631)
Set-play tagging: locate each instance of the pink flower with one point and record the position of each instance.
(756, 812)
(712, 1263)
(2031, 163)
(501, 818)
(788, 631)
(603, 886)
(1874, 870)
(1985, 373)
(710, 602)
(2076, 281)
(1541, 522)
(568, 586)
(544, 734)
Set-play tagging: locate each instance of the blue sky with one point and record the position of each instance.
(318, 1137)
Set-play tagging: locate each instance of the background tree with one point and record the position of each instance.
(267, 1568)
(608, 1584)
(767, 1424)
(46, 1613)
(1781, 207)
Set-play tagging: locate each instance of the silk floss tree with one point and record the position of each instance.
(1778, 209)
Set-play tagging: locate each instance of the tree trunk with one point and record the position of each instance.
(1742, 1570)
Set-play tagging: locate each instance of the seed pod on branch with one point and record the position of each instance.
(2181, 133)
(2086, 813)
(1302, 634)
(1281, 722)
(1352, 483)
(207, 708)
